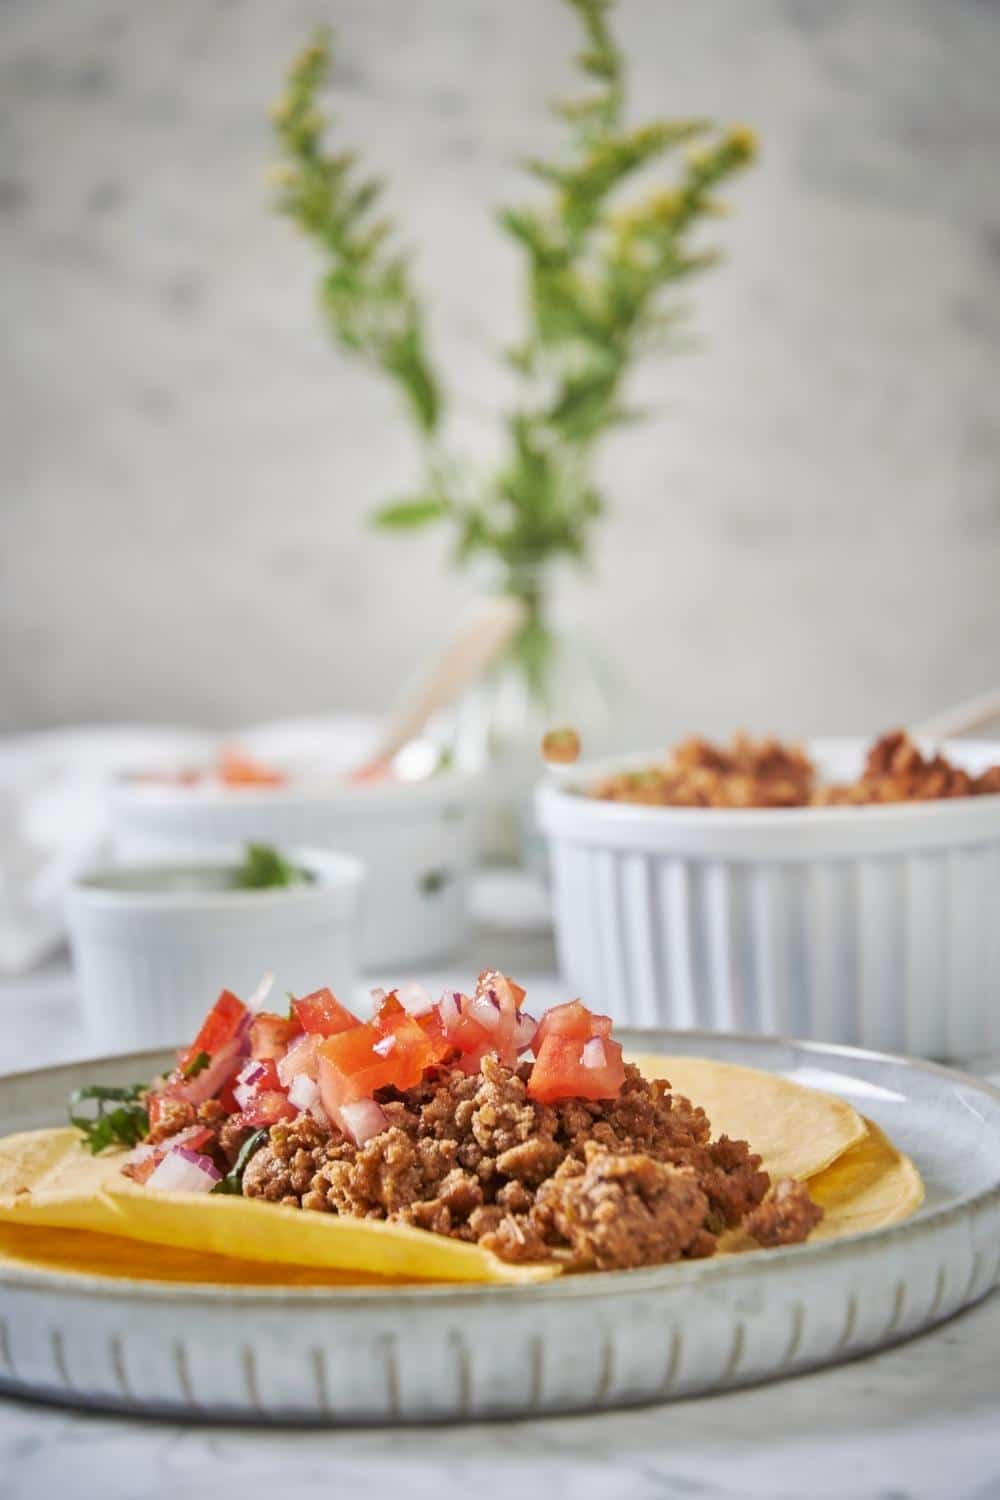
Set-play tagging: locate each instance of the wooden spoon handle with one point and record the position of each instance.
(464, 659)
(962, 718)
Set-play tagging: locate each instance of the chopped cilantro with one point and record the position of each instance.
(263, 867)
(197, 1065)
(123, 1125)
(233, 1180)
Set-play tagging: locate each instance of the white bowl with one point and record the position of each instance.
(415, 839)
(154, 944)
(877, 926)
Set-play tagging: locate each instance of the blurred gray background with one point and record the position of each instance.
(806, 536)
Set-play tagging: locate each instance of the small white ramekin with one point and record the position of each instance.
(415, 839)
(877, 926)
(152, 949)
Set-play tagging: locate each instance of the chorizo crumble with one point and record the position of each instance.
(767, 773)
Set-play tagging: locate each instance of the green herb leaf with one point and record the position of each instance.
(263, 867)
(124, 1124)
(409, 514)
(233, 1180)
(197, 1065)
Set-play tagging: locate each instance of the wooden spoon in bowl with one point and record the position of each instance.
(470, 653)
(961, 719)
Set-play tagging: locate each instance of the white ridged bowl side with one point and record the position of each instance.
(872, 926)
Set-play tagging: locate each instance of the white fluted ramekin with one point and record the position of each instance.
(153, 944)
(415, 839)
(877, 926)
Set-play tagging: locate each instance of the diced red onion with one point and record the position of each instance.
(183, 1171)
(247, 1079)
(385, 1046)
(486, 1011)
(414, 998)
(524, 1031)
(448, 1008)
(304, 1094)
(144, 1151)
(362, 1119)
(299, 1059)
(260, 994)
(203, 1163)
(594, 1055)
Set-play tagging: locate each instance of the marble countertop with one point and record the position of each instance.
(915, 1423)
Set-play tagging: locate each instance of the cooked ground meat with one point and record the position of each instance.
(767, 773)
(787, 1217)
(631, 1181)
(616, 1211)
(175, 1114)
(231, 1139)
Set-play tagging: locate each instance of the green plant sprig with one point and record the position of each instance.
(599, 275)
(366, 293)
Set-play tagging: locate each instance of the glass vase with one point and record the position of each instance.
(549, 677)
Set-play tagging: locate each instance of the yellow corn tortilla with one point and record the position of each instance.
(47, 1177)
(81, 1253)
(870, 1186)
(62, 1209)
(796, 1131)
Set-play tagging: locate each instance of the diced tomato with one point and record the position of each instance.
(349, 1068)
(488, 1021)
(502, 985)
(322, 1013)
(228, 1099)
(462, 1029)
(154, 1109)
(355, 1063)
(143, 1169)
(270, 1034)
(218, 1028)
(269, 1078)
(237, 769)
(371, 774)
(300, 1058)
(389, 1006)
(571, 1019)
(258, 1096)
(267, 1108)
(392, 1020)
(431, 1026)
(559, 1071)
(420, 1034)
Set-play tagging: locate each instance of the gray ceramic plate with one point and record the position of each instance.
(594, 1342)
